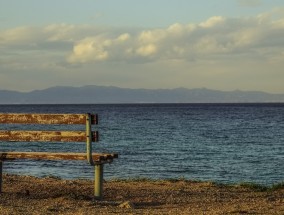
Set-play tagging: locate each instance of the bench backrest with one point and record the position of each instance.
(47, 136)
(87, 136)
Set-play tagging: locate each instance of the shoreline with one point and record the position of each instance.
(52, 195)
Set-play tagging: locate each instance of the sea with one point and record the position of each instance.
(224, 143)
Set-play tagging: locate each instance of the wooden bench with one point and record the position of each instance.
(94, 159)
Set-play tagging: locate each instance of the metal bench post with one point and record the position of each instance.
(99, 175)
(1, 168)
(89, 139)
(98, 183)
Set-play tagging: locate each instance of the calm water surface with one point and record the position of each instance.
(221, 142)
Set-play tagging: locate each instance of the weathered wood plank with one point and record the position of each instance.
(46, 136)
(23, 118)
(97, 157)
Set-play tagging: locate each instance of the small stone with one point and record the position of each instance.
(127, 204)
(27, 192)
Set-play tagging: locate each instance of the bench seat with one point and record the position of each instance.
(97, 157)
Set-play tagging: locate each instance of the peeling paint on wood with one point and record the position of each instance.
(14, 118)
(46, 136)
(56, 156)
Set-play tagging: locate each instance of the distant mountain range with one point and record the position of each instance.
(102, 94)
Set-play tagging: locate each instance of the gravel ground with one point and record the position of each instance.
(31, 195)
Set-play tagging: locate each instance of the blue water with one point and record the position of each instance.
(226, 143)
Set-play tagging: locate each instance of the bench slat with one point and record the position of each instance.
(56, 156)
(46, 136)
(10, 118)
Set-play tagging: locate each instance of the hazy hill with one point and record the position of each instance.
(100, 94)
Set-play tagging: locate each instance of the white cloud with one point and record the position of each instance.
(123, 37)
(217, 35)
(213, 21)
(98, 48)
(147, 50)
(59, 32)
(24, 35)
(90, 49)
(151, 36)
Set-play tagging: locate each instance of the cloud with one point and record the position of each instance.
(59, 32)
(90, 49)
(98, 48)
(216, 38)
(147, 50)
(213, 21)
(20, 36)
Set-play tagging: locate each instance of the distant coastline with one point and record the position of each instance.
(107, 94)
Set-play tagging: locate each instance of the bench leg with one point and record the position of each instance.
(1, 169)
(99, 175)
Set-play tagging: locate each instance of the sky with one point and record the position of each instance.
(155, 44)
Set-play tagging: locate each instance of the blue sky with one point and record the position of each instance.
(220, 44)
(157, 13)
